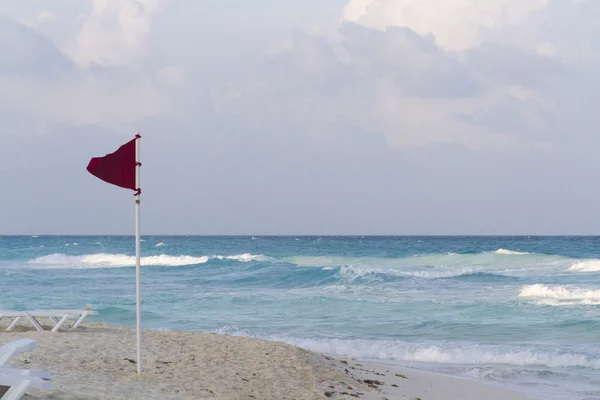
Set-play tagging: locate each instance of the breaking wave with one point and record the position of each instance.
(102, 260)
(558, 292)
(510, 252)
(246, 257)
(586, 266)
(353, 272)
(498, 258)
(443, 354)
(561, 295)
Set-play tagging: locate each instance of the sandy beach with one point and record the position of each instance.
(96, 361)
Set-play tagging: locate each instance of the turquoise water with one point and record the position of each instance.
(521, 312)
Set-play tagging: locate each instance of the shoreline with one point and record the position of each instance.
(96, 361)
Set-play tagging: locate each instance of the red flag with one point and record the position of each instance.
(117, 168)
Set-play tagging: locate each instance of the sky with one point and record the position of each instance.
(270, 117)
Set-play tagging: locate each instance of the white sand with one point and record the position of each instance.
(91, 363)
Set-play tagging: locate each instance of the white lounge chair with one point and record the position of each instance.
(54, 315)
(10, 350)
(20, 380)
(19, 384)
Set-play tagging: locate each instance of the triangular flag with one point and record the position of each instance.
(117, 168)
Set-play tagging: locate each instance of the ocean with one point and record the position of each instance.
(519, 312)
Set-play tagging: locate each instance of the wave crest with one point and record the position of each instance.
(246, 257)
(445, 273)
(103, 260)
(350, 273)
(511, 252)
(586, 266)
(561, 295)
(498, 258)
(558, 292)
(443, 354)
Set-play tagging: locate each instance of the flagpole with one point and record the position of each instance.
(137, 257)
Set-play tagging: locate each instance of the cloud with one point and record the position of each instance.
(455, 24)
(394, 82)
(172, 75)
(99, 82)
(513, 84)
(510, 66)
(395, 77)
(32, 55)
(414, 63)
(114, 33)
(421, 117)
(44, 17)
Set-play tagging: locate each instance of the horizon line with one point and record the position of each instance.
(303, 235)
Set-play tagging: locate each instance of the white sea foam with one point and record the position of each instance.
(350, 273)
(586, 266)
(161, 244)
(103, 260)
(510, 252)
(498, 258)
(558, 292)
(560, 295)
(444, 273)
(436, 354)
(353, 272)
(246, 257)
(567, 303)
(442, 354)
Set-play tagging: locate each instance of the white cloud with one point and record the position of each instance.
(546, 49)
(509, 80)
(391, 72)
(85, 99)
(489, 105)
(42, 82)
(114, 33)
(398, 84)
(172, 75)
(44, 17)
(455, 24)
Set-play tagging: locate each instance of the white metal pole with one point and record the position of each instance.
(137, 260)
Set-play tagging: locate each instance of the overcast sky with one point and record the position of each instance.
(303, 117)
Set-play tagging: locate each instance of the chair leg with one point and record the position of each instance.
(34, 322)
(80, 320)
(13, 324)
(16, 392)
(25, 372)
(60, 323)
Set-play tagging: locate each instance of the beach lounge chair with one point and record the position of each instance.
(19, 384)
(58, 317)
(19, 380)
(10, 350)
